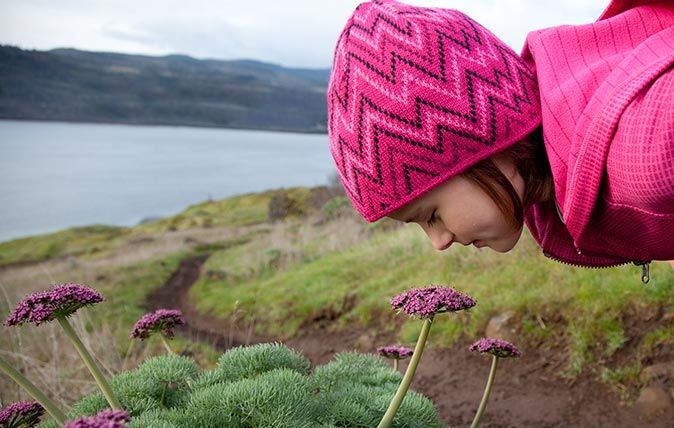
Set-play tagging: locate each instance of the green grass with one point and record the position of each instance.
(77, 241)
(660, 337)
(242, 210)
(621, 379)
(127, 287)
(125, 293)
(625, 379)
(124, 289)
(96, 240)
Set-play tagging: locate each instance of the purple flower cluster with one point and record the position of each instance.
(395, 352)
(426, 302)
(496, 347)
(62, 300)
(162, 320)
(21, 414)
(104, 419)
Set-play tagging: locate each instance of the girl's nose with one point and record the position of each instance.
(441, 239)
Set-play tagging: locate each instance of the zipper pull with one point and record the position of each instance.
(645, 271)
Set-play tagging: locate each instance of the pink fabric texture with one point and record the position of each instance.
(607, 99)
(418, 95)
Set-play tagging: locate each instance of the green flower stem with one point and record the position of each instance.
(34, 392)
(487, 391)
(166, 344)
(163, 392)
(395, 364)
(387, 420)
(89, 361)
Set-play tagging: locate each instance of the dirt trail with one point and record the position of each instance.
(527, 393)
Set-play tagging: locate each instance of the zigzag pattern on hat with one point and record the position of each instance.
(416, 96)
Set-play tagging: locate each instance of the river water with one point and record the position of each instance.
(56, 175)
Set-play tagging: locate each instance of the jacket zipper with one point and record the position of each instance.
(645, 271)
(645, 265)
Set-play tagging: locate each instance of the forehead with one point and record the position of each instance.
(398, 214)
(408, 212)
(421, 205)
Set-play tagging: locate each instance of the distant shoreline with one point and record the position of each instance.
(173, 125)
(97, 87)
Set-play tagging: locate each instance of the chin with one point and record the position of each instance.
(502, 249)
(506, 244)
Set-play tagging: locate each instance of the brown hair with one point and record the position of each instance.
(532, 163)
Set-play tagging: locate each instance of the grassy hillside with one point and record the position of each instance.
(553, 303)
(286, 259)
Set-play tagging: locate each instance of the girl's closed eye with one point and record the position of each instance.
(432, 219)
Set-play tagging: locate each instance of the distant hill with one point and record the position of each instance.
(73, 85)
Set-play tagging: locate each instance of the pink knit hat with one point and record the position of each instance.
(418, 95)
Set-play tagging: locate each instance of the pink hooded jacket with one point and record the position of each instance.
(607, 99)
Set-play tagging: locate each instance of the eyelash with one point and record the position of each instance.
(432, 219)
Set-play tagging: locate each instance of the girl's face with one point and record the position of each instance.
(459, 211)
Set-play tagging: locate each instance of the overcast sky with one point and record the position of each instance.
(298, 33)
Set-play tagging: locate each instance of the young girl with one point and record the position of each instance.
(434, 120)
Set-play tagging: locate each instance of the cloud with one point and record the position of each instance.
(292, 32)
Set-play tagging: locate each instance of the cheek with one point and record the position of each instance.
(474, 223)
(484, 211)
(469, 211)
(487, 221)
